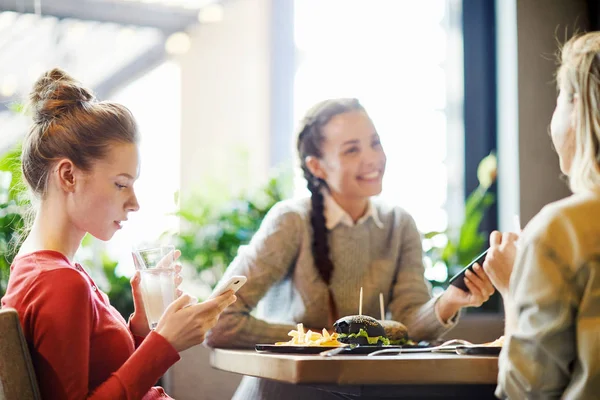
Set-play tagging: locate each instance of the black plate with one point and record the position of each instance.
(479, 350)
(364, 349)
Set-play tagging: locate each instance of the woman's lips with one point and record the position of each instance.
(371, 176)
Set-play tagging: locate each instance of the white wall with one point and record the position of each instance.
(225, 98)
(539, 23)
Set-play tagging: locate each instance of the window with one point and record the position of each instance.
(402, 59)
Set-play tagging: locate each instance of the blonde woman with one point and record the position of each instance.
(552, 347)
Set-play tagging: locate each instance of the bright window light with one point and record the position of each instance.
(393, 56)
(154, 100)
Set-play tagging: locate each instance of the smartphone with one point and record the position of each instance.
(234, 283)
(458, 280)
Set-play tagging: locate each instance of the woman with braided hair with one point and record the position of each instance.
(311, 256)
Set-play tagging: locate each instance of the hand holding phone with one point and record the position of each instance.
(234, 283)
(458, 280)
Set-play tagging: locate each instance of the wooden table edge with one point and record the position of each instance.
(342, 370)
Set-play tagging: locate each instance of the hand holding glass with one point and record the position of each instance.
(157, 272)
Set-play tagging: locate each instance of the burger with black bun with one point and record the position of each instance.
(361, 330)
(396, 332)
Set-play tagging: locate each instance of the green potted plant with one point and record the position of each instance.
(456, 248)
(212, 229)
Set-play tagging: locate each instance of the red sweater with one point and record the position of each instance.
(81, 346)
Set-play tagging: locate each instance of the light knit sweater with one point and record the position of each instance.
(554, 350)
(284, 286)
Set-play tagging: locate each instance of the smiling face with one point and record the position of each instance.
(353, 161)
(102, 197)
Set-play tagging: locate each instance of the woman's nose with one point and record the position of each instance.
(133, 204)
(374, 156)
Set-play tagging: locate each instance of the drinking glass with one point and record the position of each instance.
(157, 271)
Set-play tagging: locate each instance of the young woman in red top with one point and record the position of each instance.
(80, 160)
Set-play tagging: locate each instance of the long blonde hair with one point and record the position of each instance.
(579, 74)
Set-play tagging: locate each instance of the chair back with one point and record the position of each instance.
(17, 376)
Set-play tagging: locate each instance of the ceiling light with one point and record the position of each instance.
(188, 4)
(211, 14)
(178, 43)
(126, 34)
(198, 4)
(9, 85)
(7, 18)
(76, 30)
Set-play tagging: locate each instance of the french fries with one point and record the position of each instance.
(496, 343)
(310, 338)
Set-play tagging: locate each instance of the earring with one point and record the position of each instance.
(319, 182)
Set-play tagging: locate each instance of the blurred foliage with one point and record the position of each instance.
(13, 205)
(17, 108)
(103, 269)
(212, 229)
(470, 242)
(119, 288)
(455, 249)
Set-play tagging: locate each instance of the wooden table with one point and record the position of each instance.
(422, 375)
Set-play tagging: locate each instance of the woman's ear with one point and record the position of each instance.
(65, 173)
(315, 168)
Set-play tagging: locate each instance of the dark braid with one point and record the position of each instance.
(310, 140)
(320, 243)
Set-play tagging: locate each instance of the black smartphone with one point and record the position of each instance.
(458, 280)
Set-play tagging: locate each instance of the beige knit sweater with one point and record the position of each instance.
(284, 286)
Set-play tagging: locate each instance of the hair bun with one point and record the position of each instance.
(56, 93)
